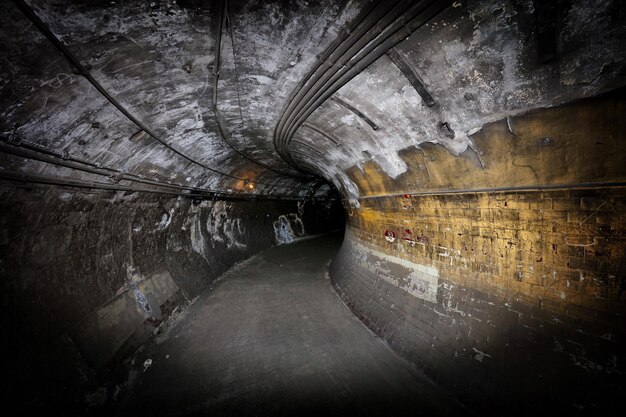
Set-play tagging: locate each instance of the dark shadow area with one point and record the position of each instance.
(528, 353)
(324, 215)
(90, 278)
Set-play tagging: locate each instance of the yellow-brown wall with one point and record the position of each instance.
(524, 235)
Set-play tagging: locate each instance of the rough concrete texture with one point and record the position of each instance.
(271, 339)
(88, 278)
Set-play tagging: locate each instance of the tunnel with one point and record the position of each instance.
(313, 208)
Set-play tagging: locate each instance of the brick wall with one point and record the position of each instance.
(527, 263)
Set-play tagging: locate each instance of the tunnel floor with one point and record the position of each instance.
(273, 338)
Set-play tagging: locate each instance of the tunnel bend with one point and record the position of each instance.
(476, 150)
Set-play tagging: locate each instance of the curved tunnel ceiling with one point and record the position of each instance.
(258, 98)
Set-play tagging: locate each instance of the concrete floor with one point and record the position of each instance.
(273, 339)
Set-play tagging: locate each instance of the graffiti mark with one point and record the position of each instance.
(197, 238)
(390, 236)
(480, 355)
(147, 363)
(223, 227)
(166, 219)
(59, 80)
(406, 201)
(132, 279)
(284, 228)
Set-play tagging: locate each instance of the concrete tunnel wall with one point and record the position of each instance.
(477, 147)
(91, 276)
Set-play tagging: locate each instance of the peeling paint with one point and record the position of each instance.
(133, 280)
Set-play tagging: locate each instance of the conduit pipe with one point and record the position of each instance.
(82, 70)
(372, 45)
(330, 63)
(65, 182)
(216, 74)
(58, 159)
(374, 50)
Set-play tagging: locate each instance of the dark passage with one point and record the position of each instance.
(273, 339)
(474, 152)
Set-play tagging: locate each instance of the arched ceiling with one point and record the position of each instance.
(263, 98)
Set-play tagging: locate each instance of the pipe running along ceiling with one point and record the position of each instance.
(247, 98)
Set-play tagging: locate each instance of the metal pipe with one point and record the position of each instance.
(374, 24)
(354, 110)
(325, 173)
(132, 177)
(216, 73)
(368, 55)
(321, 132)
(359, 37)
(379, 26)
(521, 188)
(82, 70)
(307, 159)
(51, 180)
(411, 75)
(306, 145)
(342, 37)
(64, 182)
(72, 163)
